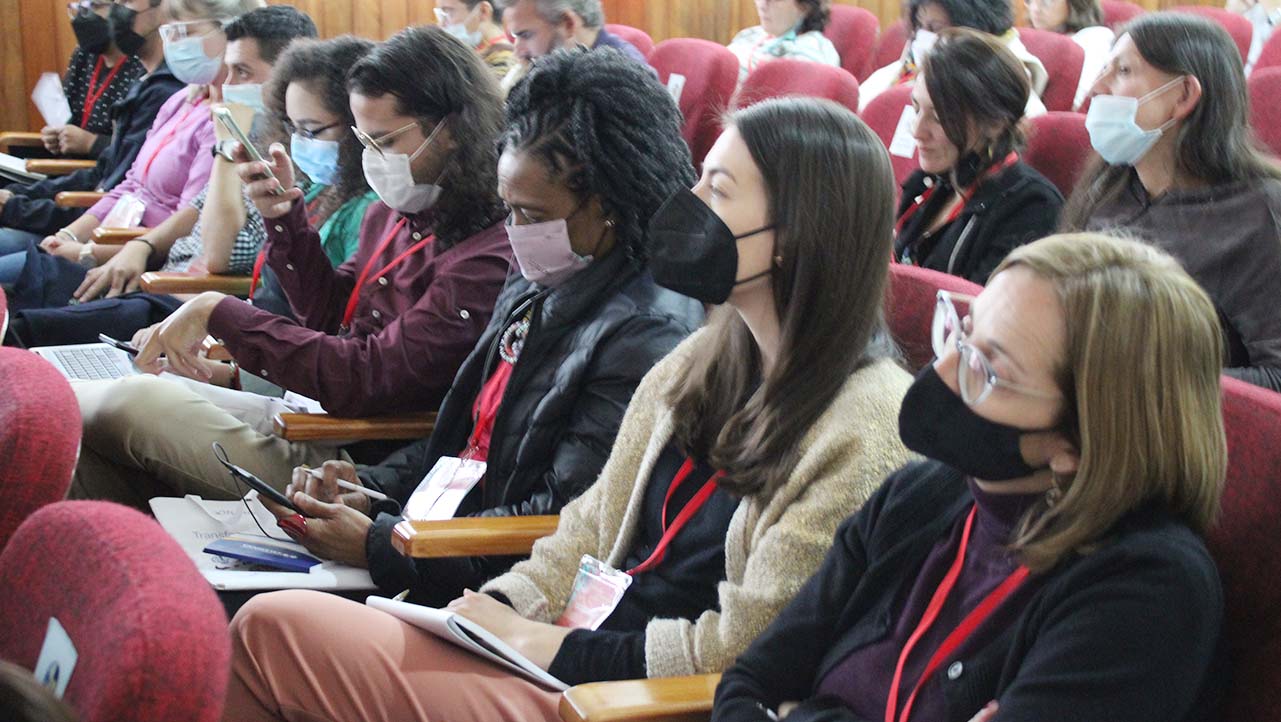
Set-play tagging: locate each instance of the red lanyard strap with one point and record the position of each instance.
(682, 519)
(165, 141)
(1010, 160)
(258, 262)
(91, 96)
(364, 276)
(958, 636)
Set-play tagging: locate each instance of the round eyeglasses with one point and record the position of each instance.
(975, 375)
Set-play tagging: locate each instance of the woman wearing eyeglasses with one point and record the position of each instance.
(1045, 561)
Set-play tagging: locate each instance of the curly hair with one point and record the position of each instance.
(321, 66)
(609, 128)
(817, 15)
(436, 78)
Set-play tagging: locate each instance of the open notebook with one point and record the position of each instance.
(468, 635)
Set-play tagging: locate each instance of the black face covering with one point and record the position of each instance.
(93, 32)
(122, 32)
(694, 252)
(936, 422)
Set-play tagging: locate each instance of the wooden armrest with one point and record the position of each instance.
(156, 282)
(78, 199)
(57, 166)
(670, 699)
(471, 536)
(10, 139)
(115, 236)
(323, 427)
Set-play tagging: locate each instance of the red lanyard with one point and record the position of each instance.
(1010, 160)
(165, 141)
(364, 274)
(691, 508)
(962, 632)
(91, 96)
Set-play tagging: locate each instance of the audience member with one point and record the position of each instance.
(542, 26)
(479, 24)
(1083, 19)
(788, 29)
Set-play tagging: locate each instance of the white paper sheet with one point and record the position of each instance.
(50, 100)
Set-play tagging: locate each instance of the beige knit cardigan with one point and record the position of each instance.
(772, 544)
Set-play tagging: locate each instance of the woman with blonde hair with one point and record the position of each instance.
(1046, 560)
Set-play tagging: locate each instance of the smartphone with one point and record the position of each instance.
(126, 347)
(254, 482)
(224, 116)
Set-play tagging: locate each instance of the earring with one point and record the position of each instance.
(609, 222)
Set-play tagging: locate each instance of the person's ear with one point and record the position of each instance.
(1188, 98)
(570, 23)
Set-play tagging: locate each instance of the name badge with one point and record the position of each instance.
(903, 144)
(443, 489)
(126, 213)
(598, 589)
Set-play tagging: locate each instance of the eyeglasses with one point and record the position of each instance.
(173, 32)
(309, 133)
(86, 6)
(376, 144)
(974, 373)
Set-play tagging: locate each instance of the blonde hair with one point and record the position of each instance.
(1141, 378)
(212, 9)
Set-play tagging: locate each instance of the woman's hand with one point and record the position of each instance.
(537, 641)
(326, 487)
(74, 140)
(62, 248)
(333, 531)
(180, 338)
(120, 274)
(50, 136)
(267, 193)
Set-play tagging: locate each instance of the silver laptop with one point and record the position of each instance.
(89, 361)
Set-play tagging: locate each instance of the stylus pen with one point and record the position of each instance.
(344, 484)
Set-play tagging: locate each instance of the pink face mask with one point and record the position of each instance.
(544, 253)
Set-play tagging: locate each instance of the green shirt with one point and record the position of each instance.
(340, 233)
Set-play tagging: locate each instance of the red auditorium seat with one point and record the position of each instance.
(149, 633)
(1265, 107)
(710, 73)
(785, 76)
(1238, 27)
(882, 115)
(39, 436)
(1119, 12)
(1270, 56)
(1062, 59)
(909, 308)
(889, 47)
(641, 39)
(1058, 147)
(853, 31)
(1243, 545)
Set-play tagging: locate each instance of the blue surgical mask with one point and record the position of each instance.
(246, 94)
(317, 158)
(1114, 131)
(187, 61)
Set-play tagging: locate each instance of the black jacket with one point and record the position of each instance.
(1014, 207)
(591, 342)
(1129, 632)
(32, 207)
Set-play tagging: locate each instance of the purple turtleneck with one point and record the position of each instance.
(862, 679)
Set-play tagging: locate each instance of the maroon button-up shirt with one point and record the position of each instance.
(408, 336)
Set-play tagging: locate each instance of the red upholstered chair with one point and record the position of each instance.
(711, 75)
(641, 39)
(1062, 59)
(1243, 545)
(882, 115)
(1238, 27)
(1119, 12)
(1265, 107)
(39, 436)
(786, 76)
(853, 31)
(1270, 56)
(909, 308)
(149, 633)
(1058, 147)
(889, 47)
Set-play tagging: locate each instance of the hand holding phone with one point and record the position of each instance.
(254, 482)
(228, 122)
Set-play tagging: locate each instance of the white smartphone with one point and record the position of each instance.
(224, 116)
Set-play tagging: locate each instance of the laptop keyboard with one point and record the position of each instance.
(90, 364)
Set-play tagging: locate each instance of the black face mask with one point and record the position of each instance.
(693, 252)
(122, 32)
(936, 422)
(93, 32)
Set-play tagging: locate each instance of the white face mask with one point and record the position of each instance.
(1114, 130)
(922, 43)
(246, 94)
(390, 176)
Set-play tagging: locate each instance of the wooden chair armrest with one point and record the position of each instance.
(156, 282)
(323, 427)
(78, 199)
(10, 139)
(57, 166)
(472, 536)
(115, 236)
(670, 699)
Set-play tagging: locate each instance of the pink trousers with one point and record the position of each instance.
(307, 656)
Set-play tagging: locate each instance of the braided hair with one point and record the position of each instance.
(607, 126)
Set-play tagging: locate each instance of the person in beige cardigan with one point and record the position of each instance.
(784, 410)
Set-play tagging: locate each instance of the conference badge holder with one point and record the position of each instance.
(440, 493)
(597, 590)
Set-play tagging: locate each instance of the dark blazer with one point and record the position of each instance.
(1128, 632)
(591, 342)
(1014, 207)
(32, 207)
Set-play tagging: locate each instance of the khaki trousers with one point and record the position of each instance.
(148, 436)
(307, 656)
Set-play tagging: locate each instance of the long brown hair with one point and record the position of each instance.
(1214, 144)
(831, 199)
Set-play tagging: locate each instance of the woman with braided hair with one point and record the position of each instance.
(739, 452)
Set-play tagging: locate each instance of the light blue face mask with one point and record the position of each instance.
(471, 38)
(187, 61)
(317, 158)
(247, 94)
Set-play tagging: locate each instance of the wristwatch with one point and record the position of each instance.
(86, 257)
(222, 149)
